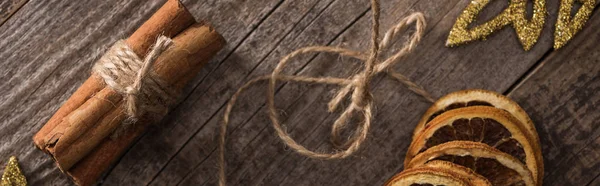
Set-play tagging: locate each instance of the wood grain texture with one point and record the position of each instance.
(49, 47)
(8, 8)
(562, 99)
(254, 146)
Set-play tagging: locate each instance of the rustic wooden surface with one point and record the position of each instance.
(8, 8)
(48, 48)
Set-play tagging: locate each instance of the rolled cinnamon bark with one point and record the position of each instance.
(169, 20)
(172, 65)
(190, 51)
(77, 135)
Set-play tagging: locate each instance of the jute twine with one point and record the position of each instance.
(143, 91)
(361, 99)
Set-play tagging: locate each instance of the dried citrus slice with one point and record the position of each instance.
(425, 177)
(428, 176)
(460, 171)
(498, 167)
(494, 127)
(476, 97)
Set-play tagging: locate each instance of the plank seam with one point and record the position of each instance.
(594, 179)
(529, 73)
(538, 65)
(12, 11)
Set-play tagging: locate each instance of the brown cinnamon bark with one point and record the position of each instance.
(183, 59)
(170, 19)
(179, 60)
(77, 135)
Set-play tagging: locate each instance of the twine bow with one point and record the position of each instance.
(143, 92)
(133, 91)
(361, 99)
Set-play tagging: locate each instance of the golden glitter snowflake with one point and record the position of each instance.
(527, 31)
(12, 174)
(567, 27)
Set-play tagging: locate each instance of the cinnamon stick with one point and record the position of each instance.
(169, 20)
(77, 135)
(173, 64)
(192, 49)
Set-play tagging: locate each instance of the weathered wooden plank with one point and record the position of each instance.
(48, 48)
(239, 139)
(562, 99)
(8, 8)
(596, 181)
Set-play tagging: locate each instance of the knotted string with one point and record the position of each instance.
(361, 99)
(133, 92)
(126, 73)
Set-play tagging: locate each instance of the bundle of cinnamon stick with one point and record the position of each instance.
(78, 136)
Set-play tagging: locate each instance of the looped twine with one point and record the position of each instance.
(143, 91)
(361, 99)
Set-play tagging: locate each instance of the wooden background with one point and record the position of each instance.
(47, 48)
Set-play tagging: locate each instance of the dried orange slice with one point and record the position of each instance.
(494, 127)
(438, 173)
(499, 168)
(425, 177)
(476, 97)
(460, 171)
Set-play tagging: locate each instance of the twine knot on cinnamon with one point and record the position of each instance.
(144, 92)
(357, 86)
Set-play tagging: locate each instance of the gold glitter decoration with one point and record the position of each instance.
(12, 174)
(527, 31)
(566, 27)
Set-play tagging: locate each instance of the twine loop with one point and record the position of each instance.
(143, 91)
(358, 85)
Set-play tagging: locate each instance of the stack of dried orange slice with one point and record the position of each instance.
(473, 137)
